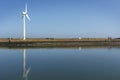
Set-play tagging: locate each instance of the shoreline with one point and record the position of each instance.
(58, 42)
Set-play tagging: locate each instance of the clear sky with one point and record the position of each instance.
(61, 18)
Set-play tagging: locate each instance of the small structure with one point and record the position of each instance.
(80, 38)
(109, 38)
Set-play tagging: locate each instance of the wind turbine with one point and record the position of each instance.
(25, 71)
(24, 16)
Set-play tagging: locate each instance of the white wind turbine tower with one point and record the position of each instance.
(24, 16)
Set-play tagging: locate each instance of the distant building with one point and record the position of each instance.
(80, 38)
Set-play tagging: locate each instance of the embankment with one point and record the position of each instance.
(58, 42)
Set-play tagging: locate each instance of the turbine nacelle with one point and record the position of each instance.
(24, 13)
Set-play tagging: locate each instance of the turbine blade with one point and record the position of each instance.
(25, 75)
(27, 72)
(26, 8)
(28, 17)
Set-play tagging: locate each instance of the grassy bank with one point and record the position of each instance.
(58, 42)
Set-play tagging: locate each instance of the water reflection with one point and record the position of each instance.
(60, 64)
(25, 69)
(79, 48)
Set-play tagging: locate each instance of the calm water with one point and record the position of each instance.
(60, 64)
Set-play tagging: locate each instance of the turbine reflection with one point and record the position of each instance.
(25, 70)
(79, 48)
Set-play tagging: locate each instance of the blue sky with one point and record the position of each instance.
(61, 18)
